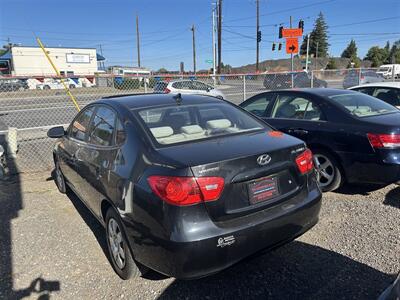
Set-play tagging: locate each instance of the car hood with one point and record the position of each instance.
(226, 148)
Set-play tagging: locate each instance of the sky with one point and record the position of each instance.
(165, 35)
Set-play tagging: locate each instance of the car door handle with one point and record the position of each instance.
(298, 131)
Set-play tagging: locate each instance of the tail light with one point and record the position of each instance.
(167, 91)
(183, 191)
(305, 162)
(384, 140)
(362, 77)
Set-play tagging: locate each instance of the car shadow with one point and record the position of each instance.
(358, 189)
(392, 198)
(11, 203)
(295, 271)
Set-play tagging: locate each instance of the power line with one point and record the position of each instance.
(365, 22)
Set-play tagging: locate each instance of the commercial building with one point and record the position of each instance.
(31, 61)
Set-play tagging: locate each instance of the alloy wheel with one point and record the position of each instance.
(116, 243)
(325, 170)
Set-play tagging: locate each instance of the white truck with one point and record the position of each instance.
(389, 71)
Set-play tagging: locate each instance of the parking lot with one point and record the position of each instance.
(51, 246)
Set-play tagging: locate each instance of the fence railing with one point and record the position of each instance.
(30, 106)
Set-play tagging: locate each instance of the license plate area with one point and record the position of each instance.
(263, 189)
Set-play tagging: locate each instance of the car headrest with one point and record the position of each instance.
(192, 129)
(161, 132)
(286, 111)
(219, 124)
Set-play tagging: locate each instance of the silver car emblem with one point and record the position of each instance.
(264, 159)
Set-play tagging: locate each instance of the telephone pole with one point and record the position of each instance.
(137, 40)
(257, 30)
(219, 34)
(291, 54)
(194, 48)
(214, 46)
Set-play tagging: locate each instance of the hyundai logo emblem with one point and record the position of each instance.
(264, 159)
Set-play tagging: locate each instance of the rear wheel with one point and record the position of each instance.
(71, 86)
(46, 87)
(120, 255)
(328, 171)
(60, 180)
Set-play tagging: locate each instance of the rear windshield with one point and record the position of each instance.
(178, 124)
(362, 105)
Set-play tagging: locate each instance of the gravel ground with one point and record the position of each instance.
(50, 246)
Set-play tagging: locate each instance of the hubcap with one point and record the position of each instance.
(325, 170)
(116, 243)
(59, 177)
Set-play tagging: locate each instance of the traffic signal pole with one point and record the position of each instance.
(257, 30)
(291, 54)
(194, 48)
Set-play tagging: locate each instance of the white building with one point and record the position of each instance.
(31, 61)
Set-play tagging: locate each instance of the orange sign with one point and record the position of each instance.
(292, 45)
(291, 32)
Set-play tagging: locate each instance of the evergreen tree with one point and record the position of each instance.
(350, 51)
(394, 55)
(318, 36)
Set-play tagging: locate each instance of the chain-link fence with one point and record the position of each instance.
(30, 106)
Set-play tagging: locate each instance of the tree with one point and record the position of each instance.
(162, 71)
(376, 55)
(318, 36)
(394, 54)
(331, 64)
(350, 51)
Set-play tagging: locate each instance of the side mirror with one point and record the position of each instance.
(56, 132)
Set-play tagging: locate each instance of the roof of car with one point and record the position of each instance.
(325, 92)
(148, 100)
(379, 84)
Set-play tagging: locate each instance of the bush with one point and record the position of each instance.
(126, 83)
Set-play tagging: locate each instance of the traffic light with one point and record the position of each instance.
(273, 46)
(280, 31)
(279, 46)
(301, 25)
(259, 36)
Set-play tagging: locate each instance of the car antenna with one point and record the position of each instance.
(178, 98)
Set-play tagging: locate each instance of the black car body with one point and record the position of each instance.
(355, 136)
(10, 85)
(189, 202)
(284, 81)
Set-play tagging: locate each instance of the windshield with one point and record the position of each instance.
(177, 124)
(362, 105)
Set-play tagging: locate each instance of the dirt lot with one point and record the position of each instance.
(50, 246)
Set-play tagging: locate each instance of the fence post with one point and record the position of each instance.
(312, 79)
(359, 76)
(393, 72)
(12, 142)
(244, 87)
(145, 84)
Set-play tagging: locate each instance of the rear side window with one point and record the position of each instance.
(258, 105)
(102, 127)
(362, 105)
(185, 123)
(365, 90)
(296, 107)
(79, 127)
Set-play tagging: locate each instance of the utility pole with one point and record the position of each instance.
(214, 46)
(308, 47)
(102, 62)
(219, 34)
(137, 40)
(316, 57)
(194, 48)
(291, 54)
(257, 30)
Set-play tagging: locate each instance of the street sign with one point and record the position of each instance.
(292, 45)
(209, 61)
(291, 32)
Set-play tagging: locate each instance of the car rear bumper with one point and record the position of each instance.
(187, 255)
(373, 173)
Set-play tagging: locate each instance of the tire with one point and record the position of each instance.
(71, 86)
(46, 87)
(329, 174)
(124, 265)
(59, 178)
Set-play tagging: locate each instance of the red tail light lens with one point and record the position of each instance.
(305, 162)
(384, 140)
(186, 190)
(167, 91)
